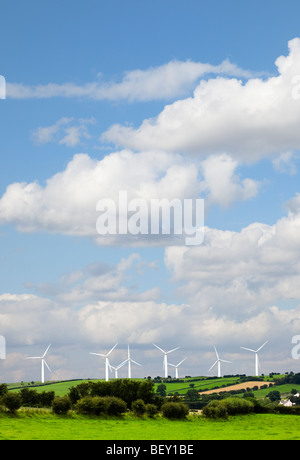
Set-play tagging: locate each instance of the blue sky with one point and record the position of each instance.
(94, 92)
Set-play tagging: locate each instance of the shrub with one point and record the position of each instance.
(138, 407)
(46, 398)
(100, 405)
(236, 406)
(61, 405)
(30, 398)
(172, 410)
(97, 405)
(295, 410)
(12, 402)
(74, 395)
(215, 409)
(85, 406)
(151, 410)
(3, 389)
(115, 406)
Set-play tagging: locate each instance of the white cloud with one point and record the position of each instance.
(285, 163)
(250, 121)
(167, 81)
(67, 131)
(67, 203)
(223, 184)
(240, 274)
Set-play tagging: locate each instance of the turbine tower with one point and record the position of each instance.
(43, 363)
(129, 361)
(116, 368)
(219, 360)
(176, 367)
(256, 356)
(166, 358)
(107, 364)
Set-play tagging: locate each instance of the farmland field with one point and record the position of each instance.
(61, 388)
(46, 426)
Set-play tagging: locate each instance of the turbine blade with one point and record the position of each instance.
(97, 354)
(262, 346)
(173, 365)
(109, 366)
(121, 365)
(248, 349)
(216, 352)
(212, 366)
(34, 357)
(180, 362)
(111, 350)
(46, 350)
(224, 361)
(171, 351)
(159, 348)
(135, 362)
(47, 366)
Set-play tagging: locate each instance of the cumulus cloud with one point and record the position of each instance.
(167, 81)
(67, 203)
(251, 120)
(222, 183)
(66, 131)
(241, 273)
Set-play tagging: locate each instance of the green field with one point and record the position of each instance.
(44, 425)
(61, 388)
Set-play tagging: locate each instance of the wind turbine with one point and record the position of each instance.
(176, 367)
(219, 360)
(256, 356)
(116, 368)
(165, 358)
(107, 364)
(43, 363)
(129, 361)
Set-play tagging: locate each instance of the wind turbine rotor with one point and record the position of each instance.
(213, 365)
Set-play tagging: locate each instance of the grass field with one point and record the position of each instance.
(46, 426)
(61, 388)
(42, 424)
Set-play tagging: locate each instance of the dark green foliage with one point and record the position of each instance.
(237, 406)
(126, 389)
(74, 395)
(161, 390)
(175, 410)
(295, 410)
(274, 395)
(3, 389)
(85, 406)
(31, 398)
(228, 406)
(12, 401)
(151, 410)
(215, 409)
(138, 407)
(192, 395)
(61, 405)
(115, 406)
(98, 405)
